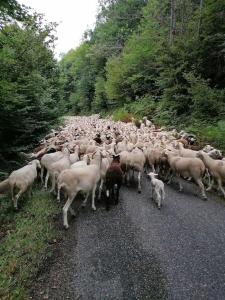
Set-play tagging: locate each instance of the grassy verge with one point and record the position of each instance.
(24, 242)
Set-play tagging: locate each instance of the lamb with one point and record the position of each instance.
(187, 167)
(113, 181)
(216, 169)
(23, 179)
(79, 179)
(157, 189)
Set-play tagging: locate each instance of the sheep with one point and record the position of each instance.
(216, 169)
(215, 154)
(134, 160)
(103, 169)
(46, 161)
(147, 122)
(186, 152)
(157, 189)
(74, 157)
(187, 167)
(56, 168)
(79, 179)
(153, 156)
(113, 181)
(23, 179)
(78, 164)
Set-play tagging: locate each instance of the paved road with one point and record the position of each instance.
(135, 251)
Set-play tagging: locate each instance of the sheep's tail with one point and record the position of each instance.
(4, 186)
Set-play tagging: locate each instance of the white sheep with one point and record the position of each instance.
(46, 161)
(157, 189)
(79, 179)
(187, 167)
(216, 169)
(56, 168)
(23, 179)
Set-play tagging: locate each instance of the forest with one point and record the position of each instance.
(161, 58)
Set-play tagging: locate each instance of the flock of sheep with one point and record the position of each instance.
(90, 153)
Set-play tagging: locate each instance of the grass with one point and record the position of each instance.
(25, 239)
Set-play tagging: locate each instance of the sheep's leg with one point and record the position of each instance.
(210, 185)
(158, 197)
(153, 168)
(58, 194)
(16, 198)
(85, 200)
(207, 176)
(72, 211)
(13, 197)
(157, 169)
(53, 184)
(162, 196)
(30, 192)
(202, 188)
(151, 192)
(117, 194)
(171, 177)
(46, 180)
(93, 197)
(42, 175)
(139, 182)
(107, 199)
(220, 186)
(180, 185)
(100, 189)
(128, 177)
(65, 209)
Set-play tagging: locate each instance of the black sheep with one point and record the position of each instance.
(113, 182)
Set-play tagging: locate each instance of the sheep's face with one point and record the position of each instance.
(152, 175)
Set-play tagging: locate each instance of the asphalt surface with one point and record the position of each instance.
(135, 251)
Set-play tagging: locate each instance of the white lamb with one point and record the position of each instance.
(157, 189)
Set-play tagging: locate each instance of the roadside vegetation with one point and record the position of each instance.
(26, 238)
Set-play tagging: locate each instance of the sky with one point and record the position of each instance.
(73, 16)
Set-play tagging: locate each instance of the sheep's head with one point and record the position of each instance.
(35, 162)
(215, 154)
(152, 175)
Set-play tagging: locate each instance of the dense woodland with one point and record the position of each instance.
(160, 58)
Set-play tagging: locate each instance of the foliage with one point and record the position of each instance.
(169, 52)
(24, 242)
(28, 83)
